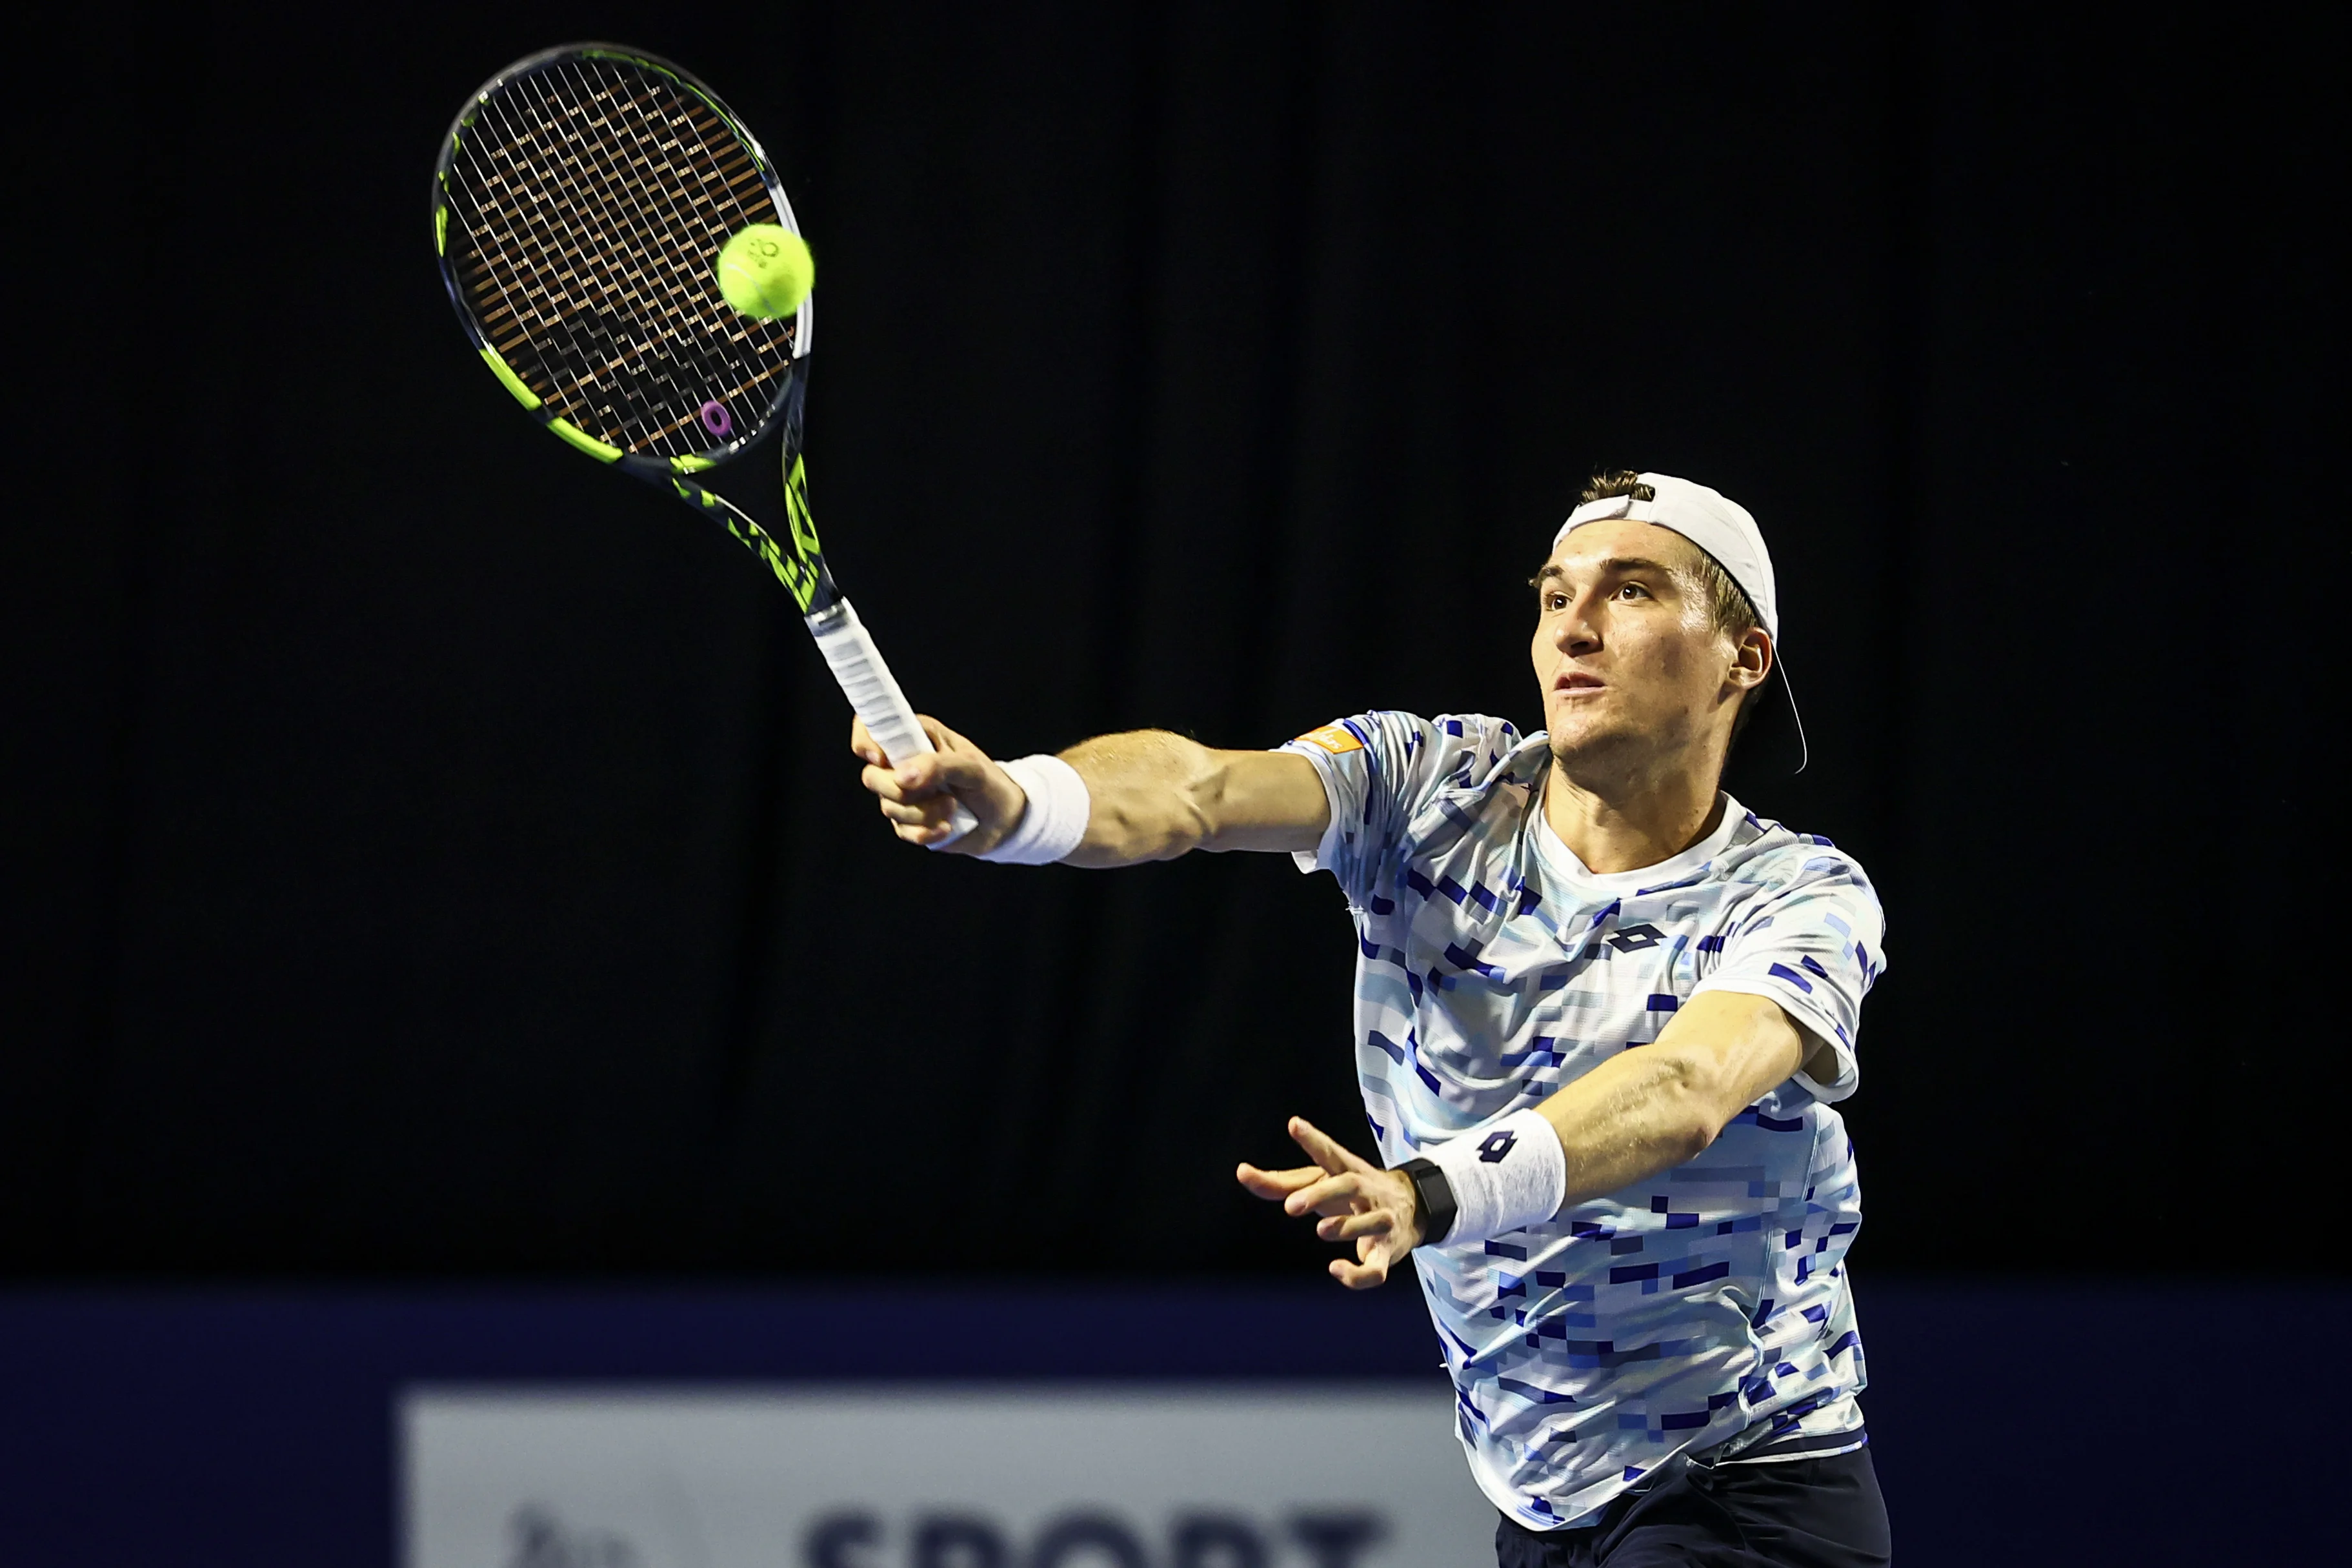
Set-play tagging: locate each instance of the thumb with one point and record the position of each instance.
(920, 774)
(945, 739)
(928, 773)
(955, 764)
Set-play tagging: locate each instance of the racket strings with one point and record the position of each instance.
(592, 188)
(686, 269)
(594, 198)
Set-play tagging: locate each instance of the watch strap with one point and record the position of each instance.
(1435, 1196)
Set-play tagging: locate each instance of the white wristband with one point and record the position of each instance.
(1511, 1175)
(1056, 815)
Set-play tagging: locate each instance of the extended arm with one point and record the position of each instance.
(1152, 796)
(1640, 1113)
(1643, 1111)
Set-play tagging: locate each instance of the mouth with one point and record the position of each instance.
(1576, 683)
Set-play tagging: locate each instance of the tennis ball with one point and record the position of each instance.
(765, 270)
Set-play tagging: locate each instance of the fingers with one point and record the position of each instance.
(1324, 1149)
(945, 739)
(1355, 1193)
(1272, 1184)
(1311, 1190)
(906, 811)
(1375, 1256)
(930, 772)
(1356, 1201)
(919, 794)
(1361, 1275)
(953, 763)
(928, 833)
(884, 782)
(900, 805)
(1354, 1226)
(1328, 1194)
(930, 780)
(955, 760)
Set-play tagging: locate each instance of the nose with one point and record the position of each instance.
(1578, 630)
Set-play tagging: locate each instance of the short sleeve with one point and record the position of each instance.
(1379, 771)
(1813, 946)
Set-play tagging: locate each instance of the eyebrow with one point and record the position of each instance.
(1616, 565)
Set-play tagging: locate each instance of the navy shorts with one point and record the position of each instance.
(1799, 1514)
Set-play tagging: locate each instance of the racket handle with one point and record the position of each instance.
(866, 681)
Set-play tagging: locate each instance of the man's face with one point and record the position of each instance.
(1634, 671)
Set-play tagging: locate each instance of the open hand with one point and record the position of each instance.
(1358, 1201)
(919, 794)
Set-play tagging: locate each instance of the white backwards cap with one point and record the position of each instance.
(1725, 531)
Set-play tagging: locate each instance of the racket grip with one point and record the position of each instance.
(873, 691)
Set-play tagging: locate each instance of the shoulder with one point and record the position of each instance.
(1450, 749)
(1780, 863)
(1399, 784)
(1474, 749)
(1763, 850)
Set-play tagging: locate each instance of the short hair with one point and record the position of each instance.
(1733, 611)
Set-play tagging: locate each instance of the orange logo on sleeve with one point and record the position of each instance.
(1336, 739)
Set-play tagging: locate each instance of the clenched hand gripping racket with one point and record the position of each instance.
(578, 208)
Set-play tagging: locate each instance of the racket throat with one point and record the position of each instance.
(774, 525)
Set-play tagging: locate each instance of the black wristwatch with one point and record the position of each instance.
(1434, 1194)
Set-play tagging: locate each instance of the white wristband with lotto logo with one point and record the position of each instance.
(1512, 1175)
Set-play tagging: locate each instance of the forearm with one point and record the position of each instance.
(1630, 1118)
(1149, 794)
(1646, 1111)
(1154, 796)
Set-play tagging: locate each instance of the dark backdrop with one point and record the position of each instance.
(430, 854)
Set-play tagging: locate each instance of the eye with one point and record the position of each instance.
(1633, 591)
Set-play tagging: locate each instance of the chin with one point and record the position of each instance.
(1590, 737)
(1584, 741)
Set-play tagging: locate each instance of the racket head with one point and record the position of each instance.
(579, 203)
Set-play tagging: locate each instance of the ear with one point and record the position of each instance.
(1751, 660)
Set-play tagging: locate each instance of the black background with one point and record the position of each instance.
(428, 853)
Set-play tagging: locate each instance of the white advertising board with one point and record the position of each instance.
(1096, 1477)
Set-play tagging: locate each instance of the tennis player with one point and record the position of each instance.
(1603, 1015)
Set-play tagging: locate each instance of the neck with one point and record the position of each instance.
(1624, 824)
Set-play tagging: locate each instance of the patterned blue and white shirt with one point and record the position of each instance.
(1708, 1303)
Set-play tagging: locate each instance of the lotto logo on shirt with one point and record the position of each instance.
(1336, 739)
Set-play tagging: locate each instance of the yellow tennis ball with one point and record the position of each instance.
(765, 270)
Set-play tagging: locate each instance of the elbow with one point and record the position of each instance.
(1699, 1114)
(1118, 836)
(1169, 839)
(1180, 822)
(1688, 1131)
(1160, 810)
(1199, 800)
(1698, 1135)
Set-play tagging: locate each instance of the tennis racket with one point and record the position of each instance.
(578, 208)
